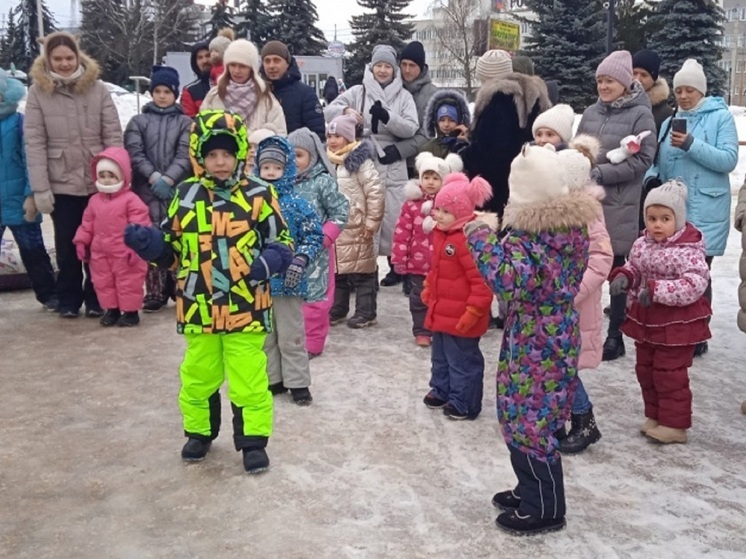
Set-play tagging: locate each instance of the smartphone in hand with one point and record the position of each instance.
(678, 125)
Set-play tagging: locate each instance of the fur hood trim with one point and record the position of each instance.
(491, 219)
(576, 209)
(451, 97)
(659, 92)
(359, 155)
(413, 190)
(42, 78)
(526, 92)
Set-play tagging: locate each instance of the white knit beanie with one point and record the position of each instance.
(559, 118)
(578, 160)
(110, 165)
(692, 75)
(671, 194)
(536, 176)
(494, 64)
(426, 161)
(244, 52)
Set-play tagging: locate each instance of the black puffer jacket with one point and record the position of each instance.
(299, 102)
(158, 142)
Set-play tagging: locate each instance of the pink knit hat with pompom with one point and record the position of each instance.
(460, 196)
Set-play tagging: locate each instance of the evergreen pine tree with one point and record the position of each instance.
(567, 43)
(28, 30)
(296, 26)
(222, 16)
(632, 24)
(11, 46)
(256, 24)
(690, 29)
(384, 26)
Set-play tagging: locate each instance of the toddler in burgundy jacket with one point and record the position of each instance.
(411, 252)
(667, 314)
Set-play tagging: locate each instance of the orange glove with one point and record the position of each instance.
(469, 319)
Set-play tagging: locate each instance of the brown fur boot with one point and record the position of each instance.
(648, 425)
(667, 435)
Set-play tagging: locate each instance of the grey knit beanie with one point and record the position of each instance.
(303, 138)
(671, 194)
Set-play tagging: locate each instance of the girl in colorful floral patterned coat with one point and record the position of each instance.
(667, 311)
(537, 268)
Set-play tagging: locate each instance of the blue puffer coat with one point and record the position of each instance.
(299, 102)
(301, 218)
(14, 183)
(704, 167)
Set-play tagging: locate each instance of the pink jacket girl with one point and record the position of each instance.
(118, 273)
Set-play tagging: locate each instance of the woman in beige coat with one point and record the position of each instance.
(242, 90)
(70, 118)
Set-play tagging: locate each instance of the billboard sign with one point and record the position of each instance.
(504, 35)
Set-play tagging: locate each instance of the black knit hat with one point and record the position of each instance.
(649, 61)
(415, 52)
(220, 141)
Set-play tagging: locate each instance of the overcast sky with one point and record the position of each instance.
(331, 12)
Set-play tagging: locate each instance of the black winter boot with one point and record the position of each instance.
(255, 460)
(525, 525)
(277, 388)
(613, 348)
(700, 349)
(129, 319)
(301, 396)
(195, 450)
(392, 278)
(584, 433)
(507, 500)
(110, 317)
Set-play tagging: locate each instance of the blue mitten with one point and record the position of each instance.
(162, 189)
(273, 260)
(295, 271)
(147, 242)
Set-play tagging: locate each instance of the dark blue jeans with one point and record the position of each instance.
(35, 259)
(581, 402)
(457, 373)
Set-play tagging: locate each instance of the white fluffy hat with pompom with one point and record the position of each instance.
(426, 161)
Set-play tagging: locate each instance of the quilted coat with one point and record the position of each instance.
(537, 269)
(402, 124)
(422, 89)
(440, 145)
(411, 252)
(302, 221)
(118, 274)
(65, 126)
(14, 183)
(705, 169)
(676, 274)
(610, 122)
(740, 222)
(320, 189)
(454, 284)
(359, 181)
(158, 143)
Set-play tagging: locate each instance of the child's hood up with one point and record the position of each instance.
(283, 185)
(119, 156)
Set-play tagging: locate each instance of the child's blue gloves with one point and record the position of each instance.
(274, 259)
(147, 242)
(162, 189)
(295, 271)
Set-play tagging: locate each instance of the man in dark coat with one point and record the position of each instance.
(193, 94)
(645, 67)
(506, 106)
(299, 101)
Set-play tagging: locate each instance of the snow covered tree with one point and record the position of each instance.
(567, 43)
(295, 25)
(174, 22)
(632, 25)
(256, 24)
(11, 45)
(222, 17)
(690, 29)
(384, 26)
(28, 30)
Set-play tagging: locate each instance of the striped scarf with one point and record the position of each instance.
(241, 98)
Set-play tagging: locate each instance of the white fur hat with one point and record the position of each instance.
(494, 64)
(244, 52)
(559, 118)
(536, 176)
(691, 74)
(578, 160)
(426, 161)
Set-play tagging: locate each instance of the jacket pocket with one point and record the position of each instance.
(56, 164)
(711, 206)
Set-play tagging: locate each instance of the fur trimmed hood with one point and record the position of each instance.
(526, 92)
(659, 92)
(440, 97)
(576, 209)
(359, 155)
(40, 74)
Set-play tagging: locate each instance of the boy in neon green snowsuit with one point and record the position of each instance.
(227, 236)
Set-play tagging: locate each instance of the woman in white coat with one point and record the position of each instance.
(387, 113)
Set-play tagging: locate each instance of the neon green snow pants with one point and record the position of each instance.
(207, 361)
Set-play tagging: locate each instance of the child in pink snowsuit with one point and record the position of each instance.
(118, 274)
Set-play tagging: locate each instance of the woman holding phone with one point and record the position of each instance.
(701, 147)
(622, 109)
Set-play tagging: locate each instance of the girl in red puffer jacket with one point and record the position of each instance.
(410, 253)
(458, 302)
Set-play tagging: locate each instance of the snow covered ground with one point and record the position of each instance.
(91, 436)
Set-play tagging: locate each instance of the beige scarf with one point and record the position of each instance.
(68, 80)
(338, 157)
